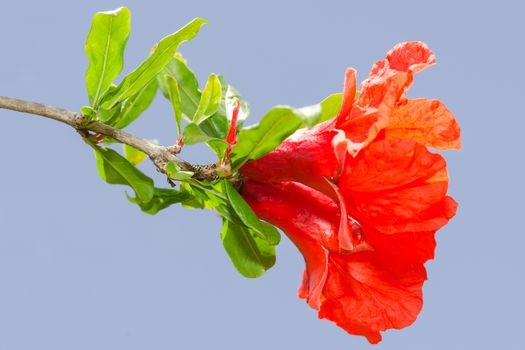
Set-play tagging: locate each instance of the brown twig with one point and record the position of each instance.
(159, 155)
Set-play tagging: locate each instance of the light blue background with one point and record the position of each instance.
(80, 268)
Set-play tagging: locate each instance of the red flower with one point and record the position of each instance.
(361, 196)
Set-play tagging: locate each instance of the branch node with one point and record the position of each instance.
(206, 172)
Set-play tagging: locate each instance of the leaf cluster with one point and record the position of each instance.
(202, 116)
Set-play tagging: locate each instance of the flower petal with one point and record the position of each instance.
(385, 87)
(389, 164)
(403, 249)
(409, 56)
(398, 67)
(364, 296)
(425, 121)
(349, 91)
(397, 186)
(364, 292)
(364, 122)
(418, 208)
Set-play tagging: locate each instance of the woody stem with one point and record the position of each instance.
(159, 155)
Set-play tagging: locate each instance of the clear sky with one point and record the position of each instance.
(81, 268)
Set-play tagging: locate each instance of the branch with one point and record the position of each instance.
(159, 155)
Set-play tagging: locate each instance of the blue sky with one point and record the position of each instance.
(81, 268)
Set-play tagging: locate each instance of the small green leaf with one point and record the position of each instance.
(190, 95)
(212, 130)
(255, 141)
(105, 50)
(251, 255)
(133, 155)
(318, 113)
(210, 99)
(194, 134)
(115, 169)
(175, 173)
(218, 146)
(245, 213)
(174, 97)
(196, 197)
(159, 58)
(87, 111)
(134, 106)
(162, 198)
(189, 92)
(271, 232)
(172, 167)
(107, 116)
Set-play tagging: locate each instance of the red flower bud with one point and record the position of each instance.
(231, 138)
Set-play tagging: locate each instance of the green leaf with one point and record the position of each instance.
(174, 172)
(196, 197)
(134, 106)
(218, 146)
(115, 169)
(246, 214)
(271, 232)
(174, 97)
(107, 116)
(133, 155)
(255, 141)
(251, 255)
(212, 130)
(243, 210)
(190, 96)
(105, 50)
(210, 99)
(189, 92)
(159, 58)
(87, 111)
(318, 113)
(162, 198)
(194, 134)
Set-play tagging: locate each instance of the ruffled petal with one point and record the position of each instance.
(364, 123)
(403, 249)
(425, 121)
(385, 87)
(409, 57)
(397, 186)
(365, 296)
(398, 67)
(389, 164)
(420, 208)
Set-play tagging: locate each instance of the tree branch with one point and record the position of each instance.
(160, 155)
